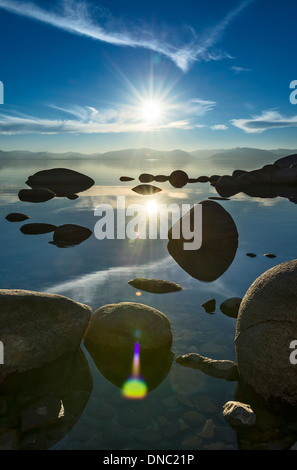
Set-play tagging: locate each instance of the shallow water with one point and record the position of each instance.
(96, 272)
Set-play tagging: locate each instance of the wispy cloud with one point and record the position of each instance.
(267, 120)
(89, 120)
(236, 69)
(74, 17)
(219, 127)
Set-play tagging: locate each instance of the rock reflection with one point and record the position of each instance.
(219, 244)
(38, 408)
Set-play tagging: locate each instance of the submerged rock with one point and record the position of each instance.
(146, 189)
(156, 286)
(266, 326)
(70, 235)
(219, 243)
(222, 369)
(37, 228)
(36, 195)
(17, 217)
(46, 404)
(37, 328)
(62, 181)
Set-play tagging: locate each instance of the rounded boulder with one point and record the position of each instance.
(37, 328)
(266, 327)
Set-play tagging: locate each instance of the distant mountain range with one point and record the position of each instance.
(241, 156)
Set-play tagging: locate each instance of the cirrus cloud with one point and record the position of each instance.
(267, 120)
(75, 17)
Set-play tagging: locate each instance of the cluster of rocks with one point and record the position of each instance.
(229, 307)
(278, 179)
(273, 180)
(41, 330)
(45, 185)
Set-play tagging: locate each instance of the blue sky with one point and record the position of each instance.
(93, 76)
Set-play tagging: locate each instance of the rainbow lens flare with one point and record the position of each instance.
(135, 387)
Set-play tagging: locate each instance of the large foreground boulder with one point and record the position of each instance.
(266, 327)
(114, 334)
(124, 323)
(37, 328)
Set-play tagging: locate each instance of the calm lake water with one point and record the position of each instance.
(185, 410)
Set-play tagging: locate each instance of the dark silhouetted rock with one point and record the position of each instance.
(146, 189)
(266, 326)
(222, 369)
(62, 181)
(192, 180)
(203, 179)
(70, 235)
(126, 178)
(146, 178)
(209, 306)
(37, 228)
(178, 178)
(214, 178)
(219, 243)
(286, 176)
(36, 195)
(218, 198)
(270, 255)
(251, 255)
(16, 217)
(230, 307)
(37, 328)
(156, 286)
(161, 178)
(237, 173)
(286, 162)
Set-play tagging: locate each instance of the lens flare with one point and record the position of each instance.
(135, 387)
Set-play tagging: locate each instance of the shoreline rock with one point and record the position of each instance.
(222, 369)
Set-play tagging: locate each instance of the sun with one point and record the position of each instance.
(151, 110)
